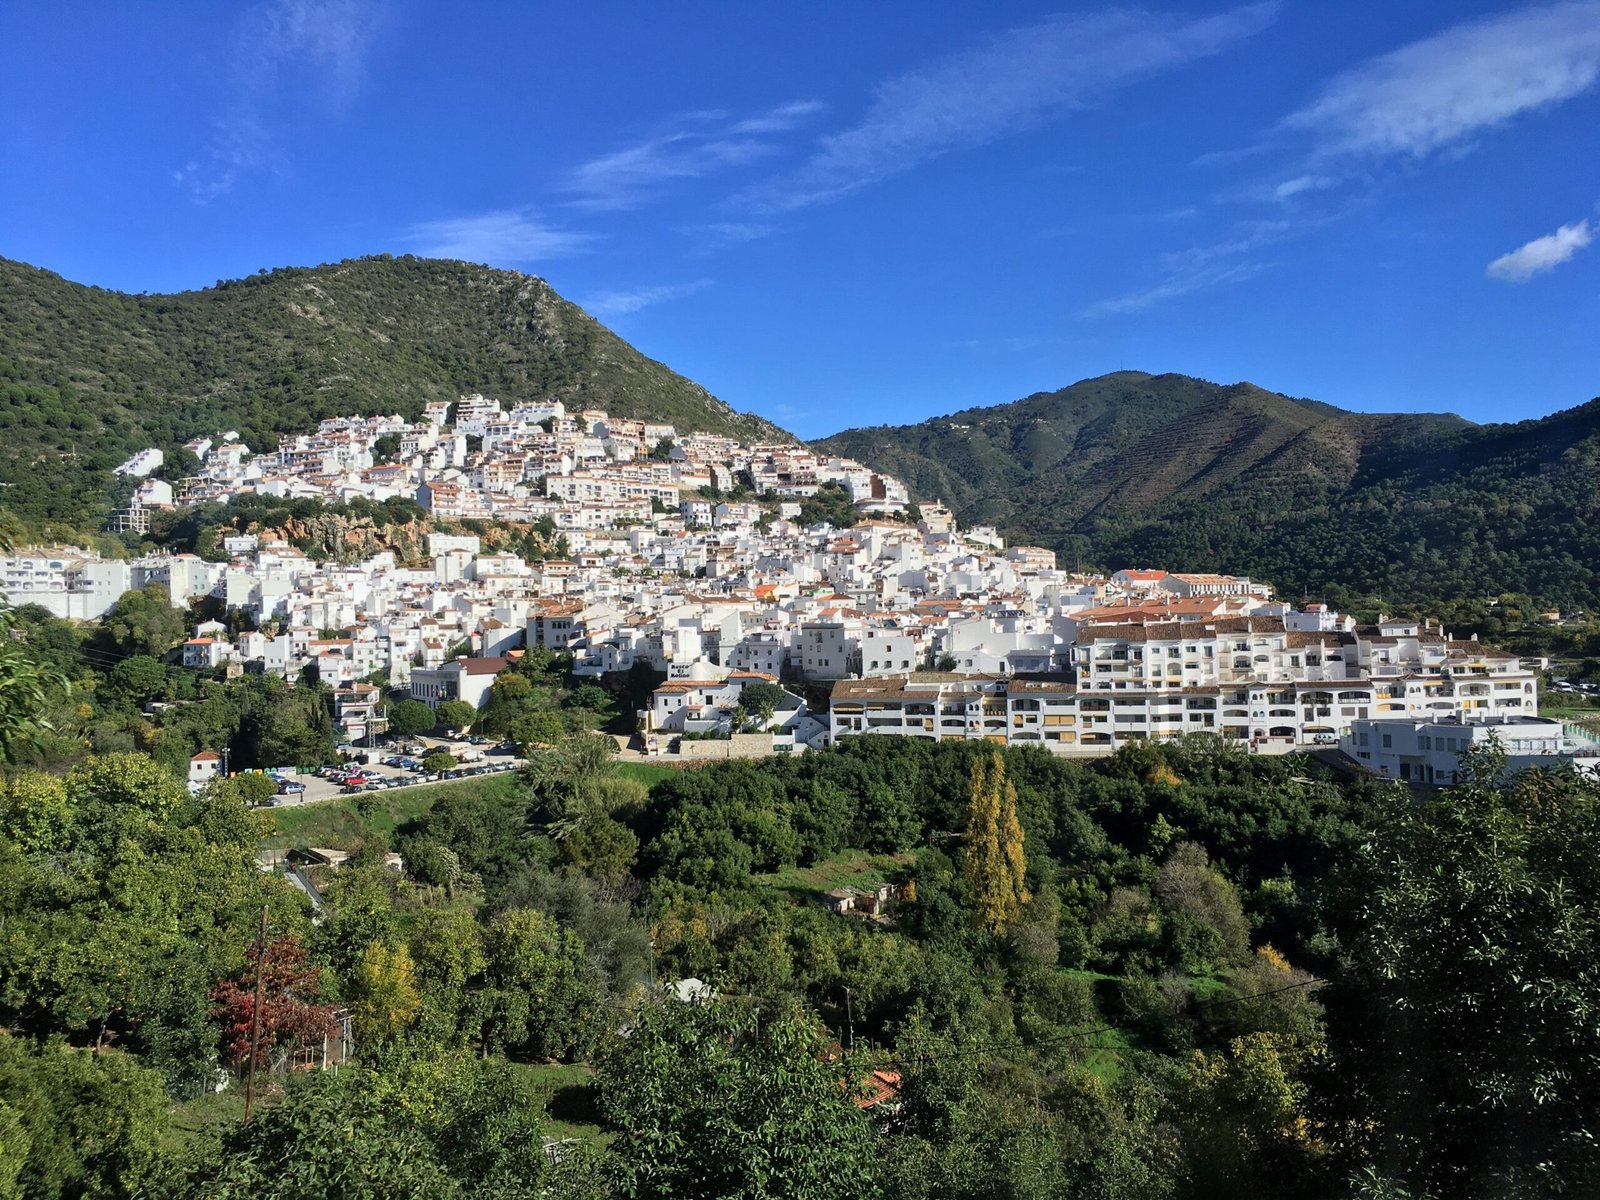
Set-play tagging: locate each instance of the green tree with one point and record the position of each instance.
(142, 622)
(993, 862)
(1464, 1054)
(253, 789)
(25, 687)
(439, 761)
(427, 1127)
(541, 996)
(590, 697)
(1189, 887)
(455, 714)
(1241, 1119)
(706, 1107)
(410, 718)
(537, 731)
(133, 681)
(85, 1124)
(759, 701)
(602, 846)
(35, 814)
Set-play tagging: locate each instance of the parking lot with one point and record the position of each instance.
(377, 776)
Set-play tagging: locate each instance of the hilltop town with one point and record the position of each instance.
(719, 565)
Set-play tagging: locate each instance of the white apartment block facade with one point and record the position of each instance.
(1245, 678)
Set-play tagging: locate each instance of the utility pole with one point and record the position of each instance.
(255, 1022)
(849, 1017)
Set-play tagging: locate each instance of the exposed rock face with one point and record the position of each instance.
(342, 538)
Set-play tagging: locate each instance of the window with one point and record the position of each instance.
(1388, 741)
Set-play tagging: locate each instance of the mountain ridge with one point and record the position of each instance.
(1133, 468)
(88, 375)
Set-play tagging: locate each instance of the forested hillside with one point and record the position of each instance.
(1132, 469)
(87, 376)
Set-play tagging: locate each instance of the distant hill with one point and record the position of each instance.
(87, 376)
(1132, 468)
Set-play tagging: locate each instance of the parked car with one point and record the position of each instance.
(288, 787)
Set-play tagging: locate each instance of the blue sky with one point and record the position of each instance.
(846, 214)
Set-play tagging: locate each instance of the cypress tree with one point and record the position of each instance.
(993, 863)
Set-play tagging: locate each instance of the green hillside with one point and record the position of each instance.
(1132, 468)
(87, 376)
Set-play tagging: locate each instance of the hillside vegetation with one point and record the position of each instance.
(1132, 468)
(87, 376)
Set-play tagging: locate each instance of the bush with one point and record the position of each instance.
(439, 761)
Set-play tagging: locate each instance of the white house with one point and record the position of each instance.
(1429, 751)
(467, 679)
(203, 768)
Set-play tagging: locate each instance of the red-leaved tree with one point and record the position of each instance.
(290, 1014)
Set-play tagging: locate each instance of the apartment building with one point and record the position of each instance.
(1247, 679)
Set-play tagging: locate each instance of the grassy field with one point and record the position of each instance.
(339, 824)
(1583, 714)
(567, 1094)
(206, 1119)
(648, 774)
(848, 869)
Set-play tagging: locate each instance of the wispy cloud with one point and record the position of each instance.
(702, 144)
(1542, 254)
(1290, 188)
(509, 236)
(1015, 81)
(317, 48)
(1183, 280)
(719, 234)
(1201, 267)
(1440, 91)
(631, 300)
(781, 119)
(324, 40)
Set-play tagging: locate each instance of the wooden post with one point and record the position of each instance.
(255, 1022)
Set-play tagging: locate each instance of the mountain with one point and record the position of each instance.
(1133, 468)
(88, 376)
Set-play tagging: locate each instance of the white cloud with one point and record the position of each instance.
(507, 236)
(1542, 254)
(1018, 79)
(327, 40)
(310, 48)
(631, 300)
(1441, 90)
(1301, 183)
(703, 144)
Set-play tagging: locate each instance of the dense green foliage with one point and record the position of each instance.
(89, 376)
(1174, 973)
(1133, 470)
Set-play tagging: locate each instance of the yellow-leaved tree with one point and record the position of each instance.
(993, 863)
(386, 998)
